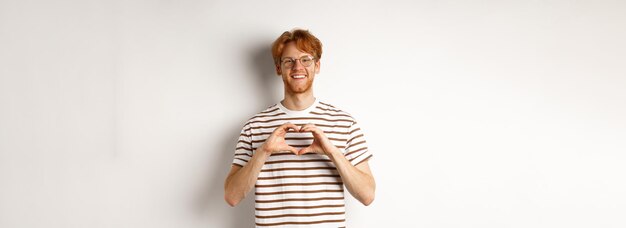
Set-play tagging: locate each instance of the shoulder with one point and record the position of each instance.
(328, 110)
(270, 112)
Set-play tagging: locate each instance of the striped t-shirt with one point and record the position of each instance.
(303, 190)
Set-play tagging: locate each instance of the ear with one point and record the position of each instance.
(278, 71)
(317, 66)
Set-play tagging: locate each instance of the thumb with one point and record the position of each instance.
(293, 150)
(305, 150)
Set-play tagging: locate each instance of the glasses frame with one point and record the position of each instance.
(282, 61)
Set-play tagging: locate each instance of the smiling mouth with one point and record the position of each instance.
(298, 76)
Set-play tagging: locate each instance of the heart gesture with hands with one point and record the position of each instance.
(276, 141)
(321, 144)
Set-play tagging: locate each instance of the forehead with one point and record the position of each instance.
(290, 50)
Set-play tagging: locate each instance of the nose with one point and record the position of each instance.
(297, 65)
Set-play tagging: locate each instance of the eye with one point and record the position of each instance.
(306, 60)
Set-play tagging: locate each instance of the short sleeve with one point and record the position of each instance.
(243, 151)
(356, 146)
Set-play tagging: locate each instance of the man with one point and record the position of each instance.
(299, 153)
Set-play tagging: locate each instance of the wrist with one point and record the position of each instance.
(334, 153)
(265, 154)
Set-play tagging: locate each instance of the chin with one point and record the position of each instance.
(298, 90)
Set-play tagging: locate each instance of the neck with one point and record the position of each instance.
(298, 102)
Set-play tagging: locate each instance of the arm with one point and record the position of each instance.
(358, 179)
(240, 180)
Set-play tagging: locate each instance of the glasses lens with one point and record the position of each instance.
(306, 61)
(288, 63)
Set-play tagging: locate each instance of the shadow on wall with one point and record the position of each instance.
(209, 202)
(263, 63)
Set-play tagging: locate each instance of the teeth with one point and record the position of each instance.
(297, 76)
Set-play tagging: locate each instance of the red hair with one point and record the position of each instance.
(305, 42)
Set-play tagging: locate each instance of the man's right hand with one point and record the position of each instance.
(276, 142)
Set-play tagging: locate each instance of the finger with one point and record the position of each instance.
(305, 129)
(309, 125)
(312, 129)
(284, 128)
(308, 128)
(293, 150)
(291, 126)
(285, 148)
(304, 151)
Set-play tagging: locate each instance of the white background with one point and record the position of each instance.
(120, 114)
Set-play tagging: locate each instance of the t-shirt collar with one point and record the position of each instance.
(301, 112)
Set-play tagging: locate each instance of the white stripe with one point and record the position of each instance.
(300, 195)
(300, 188)
(304, 219)
(301, 211)
(299, 203)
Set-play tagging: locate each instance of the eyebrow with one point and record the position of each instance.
(306, 55)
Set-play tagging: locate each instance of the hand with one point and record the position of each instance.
(276, 141)
(321, 144)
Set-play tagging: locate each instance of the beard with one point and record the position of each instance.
(297, 86)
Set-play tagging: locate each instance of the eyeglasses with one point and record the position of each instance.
(306, 61)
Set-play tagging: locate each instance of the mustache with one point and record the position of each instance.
(302, 72)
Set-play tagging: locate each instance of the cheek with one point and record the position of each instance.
(284, 73)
